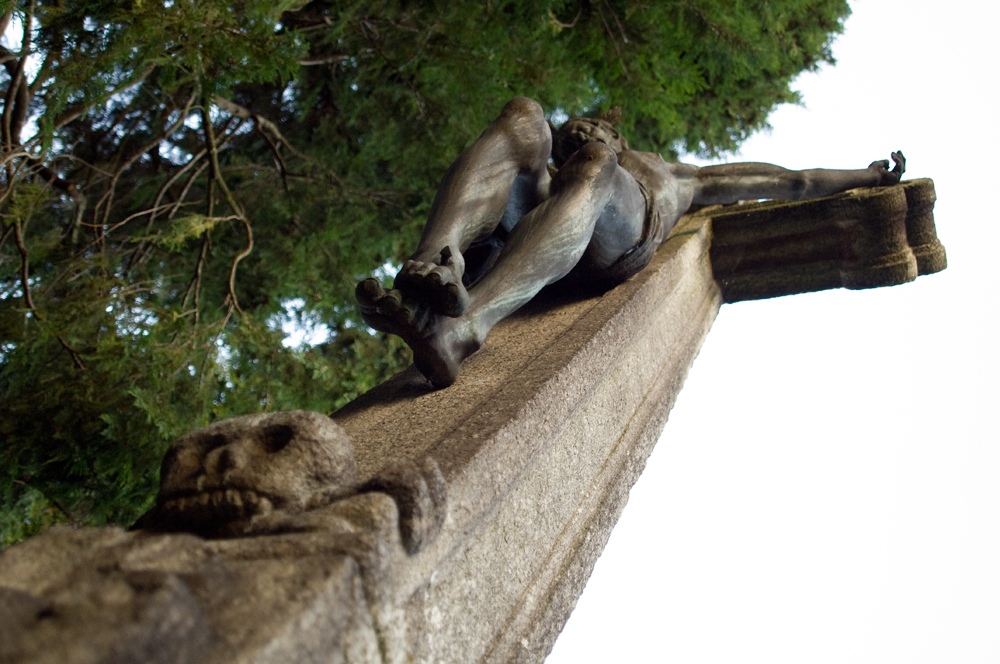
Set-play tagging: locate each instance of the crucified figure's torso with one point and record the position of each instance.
(601, 216)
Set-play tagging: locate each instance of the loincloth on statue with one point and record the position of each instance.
(591, 274)
(481, 254)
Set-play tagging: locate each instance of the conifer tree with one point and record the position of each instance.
(180, 177)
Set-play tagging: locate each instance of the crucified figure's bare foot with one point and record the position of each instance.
(439, 343)
(437, 283)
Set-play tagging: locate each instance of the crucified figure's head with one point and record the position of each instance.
(214, 481)
(576, 132)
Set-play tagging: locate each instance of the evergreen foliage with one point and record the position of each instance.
(181, 176)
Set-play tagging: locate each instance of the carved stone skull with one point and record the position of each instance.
(216, 480)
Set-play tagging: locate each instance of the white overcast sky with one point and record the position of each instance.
(828, 486)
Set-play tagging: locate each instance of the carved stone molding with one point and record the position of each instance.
(863, 238)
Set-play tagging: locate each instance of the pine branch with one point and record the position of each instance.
(26, 288)
(233, 108)
(23, 250)
(216, 175)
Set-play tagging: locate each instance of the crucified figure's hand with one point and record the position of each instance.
(887, 177)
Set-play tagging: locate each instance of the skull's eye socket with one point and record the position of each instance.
(214, 441)
(277, 437)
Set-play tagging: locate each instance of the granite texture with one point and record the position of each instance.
(456, 525)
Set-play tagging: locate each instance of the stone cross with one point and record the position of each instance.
(457, 525)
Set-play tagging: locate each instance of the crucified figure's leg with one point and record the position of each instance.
(543, 247)
(504, 171)
(730, 183)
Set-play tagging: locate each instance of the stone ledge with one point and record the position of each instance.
(538, 444)
(539, 441)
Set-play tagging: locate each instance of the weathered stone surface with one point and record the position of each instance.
(464, 524)
(539, 441)
(921, 233)
(102, 595)
(537, 445)
(863, 238)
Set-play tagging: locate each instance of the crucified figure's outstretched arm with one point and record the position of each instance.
(729, 183)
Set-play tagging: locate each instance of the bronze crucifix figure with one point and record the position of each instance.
(502, 226)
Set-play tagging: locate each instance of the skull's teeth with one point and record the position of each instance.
(242, 503)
